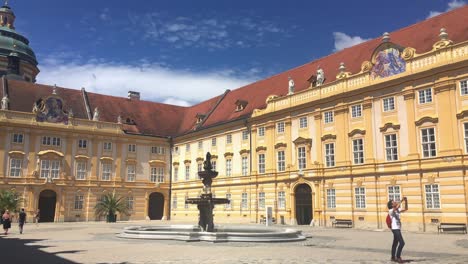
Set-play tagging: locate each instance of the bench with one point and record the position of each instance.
(342, 222)
(451, 227)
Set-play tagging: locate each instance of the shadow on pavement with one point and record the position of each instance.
(16, 251)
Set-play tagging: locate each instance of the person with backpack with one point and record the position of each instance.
(394, 223)
(21, 220)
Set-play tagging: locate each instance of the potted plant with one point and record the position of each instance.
(109, 206)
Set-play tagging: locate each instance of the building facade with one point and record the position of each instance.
(332, 139)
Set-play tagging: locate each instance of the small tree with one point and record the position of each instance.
(10, 200)
(109, 205)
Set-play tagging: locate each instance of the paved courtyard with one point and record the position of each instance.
(96, 243)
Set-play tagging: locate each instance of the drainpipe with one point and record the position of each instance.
(170, 177)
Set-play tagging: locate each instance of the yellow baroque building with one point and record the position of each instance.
(335, 138)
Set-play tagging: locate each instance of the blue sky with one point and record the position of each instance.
(184, 52)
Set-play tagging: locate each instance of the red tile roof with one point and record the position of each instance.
(158, 119)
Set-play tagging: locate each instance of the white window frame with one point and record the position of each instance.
(245, 135)
(82, 143)
(132, 148)
(213, 165)
(244, 201)
(303, 122)
(463, 87)
(394, 193)
(174, 202)
(388, 104)
(130, 202)
(331, 198)
(432, 192)
(228, 205)
(356, 111)
(50, 167)
(245, 165)
(360, 197)
(280, 127)
(157, 174)
(229, 139)
(425, 96)
(358, 151)
(131, 172)
(261, 163)
(261, 131)
(228, 167)
(81, 170)
(213, 142)
(79, 202)
(330, 154)
(200, 144)
(176, 174)
(301, 158)
(51, 141)
(107, 146)
(15, 167)
(17, 138)
(187, 172)
(428, 144)
(281, 160)
(187, 147)
(261, 200)
(281, 200)
(106, 171)
(199, 167)
(465, 126)
(158, 150)
(391, 147)
(328, 117)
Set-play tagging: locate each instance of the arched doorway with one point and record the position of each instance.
(303, 196)
(156, 206)
(47, 200)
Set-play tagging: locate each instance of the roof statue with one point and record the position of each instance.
(119, 119)
(96, 114)
(5, 101)
(320, 77)
(291, 86)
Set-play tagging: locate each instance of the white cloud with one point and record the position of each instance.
(153, 81)
(105, 15)
(454, 4)
(343, 41)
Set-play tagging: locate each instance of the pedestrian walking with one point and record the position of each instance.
(21, 220)
(37, 216)
(6, 217)
(398, 242)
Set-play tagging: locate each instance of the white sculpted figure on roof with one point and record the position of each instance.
(96, 114)
(320, 77)
(291, 86)
(5, 101)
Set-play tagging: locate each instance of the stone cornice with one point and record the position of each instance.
(328, 136)
(389, 125)
(443, 86)
(356, 131)
(425, 119)
(302, 141)
(408, 95)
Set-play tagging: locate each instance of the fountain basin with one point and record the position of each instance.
(192, 233)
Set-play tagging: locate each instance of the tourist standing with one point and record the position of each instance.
(37, 216)
(6, 217)
(398, 242)
(21, 220)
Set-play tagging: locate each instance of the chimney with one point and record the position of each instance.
(134, 95)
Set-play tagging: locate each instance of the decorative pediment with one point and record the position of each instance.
(356, 131)
(187, 161)
(228, 154)
(387, 60)
(261, 148)
(425, 119)
(302, 141)
(280, 145)
(389, 125)
(462, 114)
(106, 159)
(50, 109)
(54, 152)
(214, 157)
(240, 105)
(199, 159)
(16, 153)
(328, 136)
(244, 151)
(82, 157)
(175, 163)
(131, 161)
(156, 162)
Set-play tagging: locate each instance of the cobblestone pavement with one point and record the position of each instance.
(96, 243)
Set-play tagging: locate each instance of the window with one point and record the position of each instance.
(229, 138)
(51, 141)
(425, 96)
(261, 131)
(280, 127)
(200, 144)
(281, 161)
(15, 167)
(228, 167)
(245, 166)
(130, 202)
(244, 201)
(174, 202)
(466, 136)
(245, 135)
(82, 143)
(330, 154)
(464, 87)
(301, 158)
(18, 138)
(358, 151)
(79, 202)
(158, 150)
(213, 165)
(360, 194)
(106, 171)
(199, 166)
(176, 150)
(107, 146)
(394, 193)
(328, 117)
(228, 205)
(281, 200)
(261, 200)
(81, 170)
(187, 147)
(356, 111)
(176, 174)
(432, 196)
(213, 142)
(303, 122)
(428, 142)
(187, 172)
(157, 174)
(261, 163)
(388, 104)
(331, 198)
(131, 173)
(391, 147)
(50, 168)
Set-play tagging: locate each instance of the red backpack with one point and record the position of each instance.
(389, 221)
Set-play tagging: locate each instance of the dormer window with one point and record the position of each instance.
(240, 105)
(200, 118)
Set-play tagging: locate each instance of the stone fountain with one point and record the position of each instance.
(206, 202)
(206, 230)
